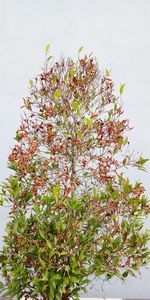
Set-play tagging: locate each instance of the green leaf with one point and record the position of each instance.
(80, 49)
(37, 208)
(117, 241)
(17, 138)
(54, 78)
(107, 72)
(47, 47)
(67, 268)
(124, 161)
(115, 107)
(115, 261)
(56, 95)
(125, 274)
(140, 163)
(45, 276)
(108, 276)
(86, 281)
(12, 166)
(56, 190)
(65, 282)
(86, 174)
(15, 226)
(76, 104)
(65, 78)
(42, 234)
(64, 252)
(122, 88)
(88, 121)
(27, 104)
(145, 254)
(79, 134)
(72, 72)
(49, 57)
(115, 195)
(82, 255)
(51, 292)
(74, 279)
(28, 196)
(1, 285)
(31, 82)
(42, 262)
(50, 245)
(1, 200)
(57, 276)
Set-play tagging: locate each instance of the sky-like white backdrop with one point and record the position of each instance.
(118, 32)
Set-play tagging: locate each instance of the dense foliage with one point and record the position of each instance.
(74, 211)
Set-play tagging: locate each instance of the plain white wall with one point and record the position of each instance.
(118, 33)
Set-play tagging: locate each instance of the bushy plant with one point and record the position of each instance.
(73, 210)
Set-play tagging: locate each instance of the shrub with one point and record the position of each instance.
(73, 210)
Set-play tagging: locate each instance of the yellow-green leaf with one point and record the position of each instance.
(42, 234)
(88, 121)
(45, 276)
(75, 105)
(56, 95)
(17, 138)
(42, 262)
(47, 47)
(49, 57)
(37, 208)
(122, 88)
(107, 72)
(72, 72)
(56, 190)
(50, 245)
(30, 82)
(1, 285)
(79, 134)
(80, 49)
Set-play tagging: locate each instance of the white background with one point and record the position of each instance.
(118, 33)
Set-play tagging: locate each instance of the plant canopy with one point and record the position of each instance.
(73, 210)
